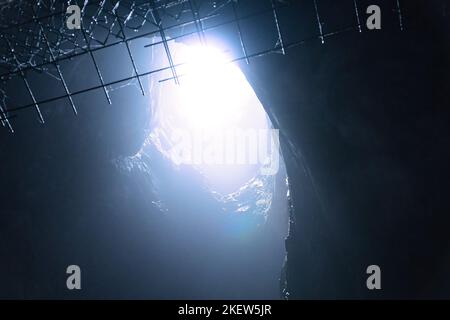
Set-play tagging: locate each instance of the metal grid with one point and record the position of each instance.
(34, 37)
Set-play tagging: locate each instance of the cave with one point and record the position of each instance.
(355, 119)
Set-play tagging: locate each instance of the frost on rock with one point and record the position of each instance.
(255, 197)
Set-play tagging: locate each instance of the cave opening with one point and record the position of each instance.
(228, 175)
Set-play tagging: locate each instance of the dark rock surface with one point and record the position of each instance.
(365, 120)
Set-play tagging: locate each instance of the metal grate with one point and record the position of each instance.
(34, 38)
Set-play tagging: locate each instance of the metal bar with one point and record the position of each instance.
(5, 119)
(111, 28)
(27, 85)
(275, 17)
(198, 23)
(400, 15)
(131, 56)
(96, 66)
(61, 77)
(319, 22)
(241, 39)
(158, 22)
(358, 20)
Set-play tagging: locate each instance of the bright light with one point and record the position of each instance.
(212, 100)
(214, 93)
